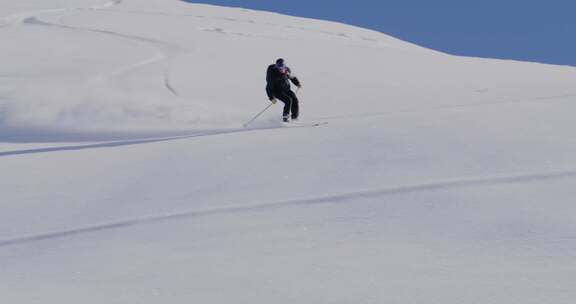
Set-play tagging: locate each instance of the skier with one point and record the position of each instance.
(278, 79)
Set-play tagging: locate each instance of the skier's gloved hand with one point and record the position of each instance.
(273, 100)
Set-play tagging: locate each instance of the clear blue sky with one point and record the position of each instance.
(530, 30)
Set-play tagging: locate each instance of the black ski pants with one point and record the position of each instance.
(290, 100)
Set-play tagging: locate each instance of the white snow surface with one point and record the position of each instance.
(127, 177)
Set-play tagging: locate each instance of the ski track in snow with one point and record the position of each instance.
(556, 98)
(328, 199)
(245, 21)
(165, 51)
(115, 144)
(19, 18)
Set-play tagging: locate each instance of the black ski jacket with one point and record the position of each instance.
(278, 82)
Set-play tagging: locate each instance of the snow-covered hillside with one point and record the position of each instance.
(127, 177)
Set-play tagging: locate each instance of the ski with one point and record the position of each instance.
(305, 124)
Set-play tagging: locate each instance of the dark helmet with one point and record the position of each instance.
(280, 62)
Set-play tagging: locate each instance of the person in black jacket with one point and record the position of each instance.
(278, 79)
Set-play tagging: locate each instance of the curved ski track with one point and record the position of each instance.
(328, 199)
(165, 51)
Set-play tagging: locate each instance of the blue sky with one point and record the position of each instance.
(529, 30)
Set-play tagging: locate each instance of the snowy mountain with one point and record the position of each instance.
(127, 176)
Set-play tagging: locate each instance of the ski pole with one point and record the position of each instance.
(296, 94)
(257, 115)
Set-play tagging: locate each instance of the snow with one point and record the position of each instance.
(127, 177)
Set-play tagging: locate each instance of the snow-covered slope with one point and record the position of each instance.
(127, 177)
